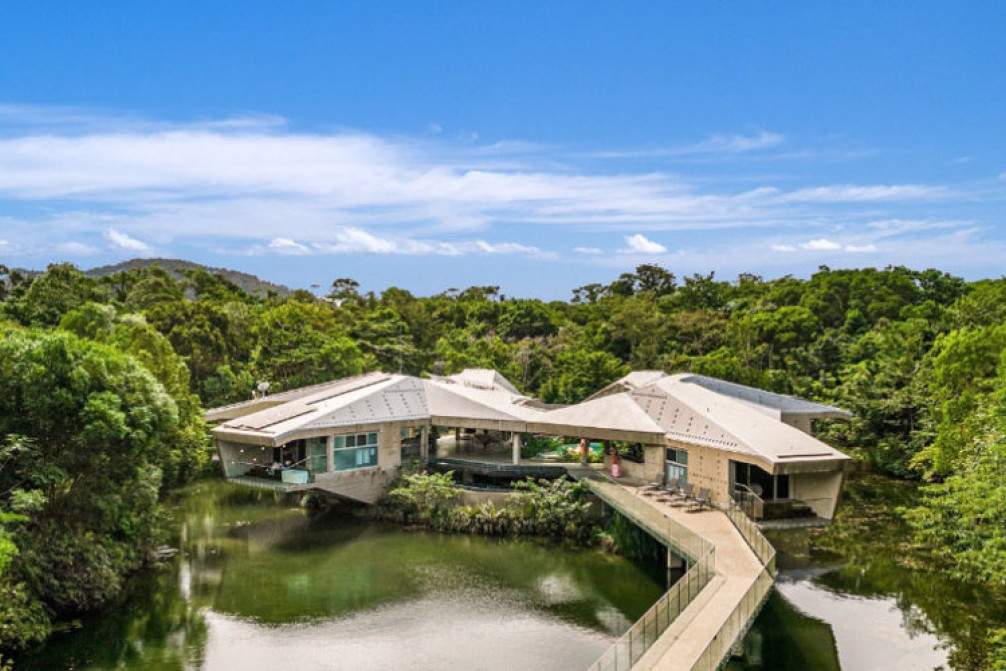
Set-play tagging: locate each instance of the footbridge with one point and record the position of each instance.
(696, 624)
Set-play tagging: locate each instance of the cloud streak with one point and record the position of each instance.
(116, 183)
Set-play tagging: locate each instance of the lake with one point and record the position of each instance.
(862, 602)
(264, 585)
(261, 584)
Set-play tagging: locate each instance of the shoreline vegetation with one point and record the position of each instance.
(556, 509)
(103, 382)
(559, 509)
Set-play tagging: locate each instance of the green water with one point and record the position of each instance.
(864, 602)
(263, 585)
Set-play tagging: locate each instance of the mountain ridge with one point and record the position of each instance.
(250, 283)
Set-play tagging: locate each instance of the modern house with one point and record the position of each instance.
(349, 437)
(738, 441)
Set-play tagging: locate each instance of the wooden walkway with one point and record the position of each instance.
(723, 608)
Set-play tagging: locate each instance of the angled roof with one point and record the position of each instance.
(242, 408)
(766, 402)
(376, 398)
(484, 378)
(763, 401)
(605, 417)
(695, 414)
(701, 410)
(646, 406)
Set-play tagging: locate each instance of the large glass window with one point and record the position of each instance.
(764, 484)
(355, 451)
(317, 455)
(676, 467)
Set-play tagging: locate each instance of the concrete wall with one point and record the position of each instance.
(820, 491)
(363, 484)
(802, 422)
(366, 485)
(650, 470)
(233, 454)
(709, 468)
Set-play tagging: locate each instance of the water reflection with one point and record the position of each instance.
(261, 585)
(879, 608)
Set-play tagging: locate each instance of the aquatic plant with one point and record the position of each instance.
(558, 508)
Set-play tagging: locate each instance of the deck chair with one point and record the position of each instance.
(680, 496)
(650, 489)
(701, 501)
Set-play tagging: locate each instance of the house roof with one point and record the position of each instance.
(647, 406)
(484, 378)
(378, 398)
(696, 414)
(769, 403)
(243, 408)
(605, 417)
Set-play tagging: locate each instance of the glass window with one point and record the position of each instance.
(356, 451)
(677, 456)
(317, 456)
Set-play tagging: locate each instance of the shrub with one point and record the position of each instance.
(557, 508)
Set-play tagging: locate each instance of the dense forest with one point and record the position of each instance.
(102, 382)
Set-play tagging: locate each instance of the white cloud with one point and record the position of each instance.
(861, 248)
(358, 241)
(738, 143)
(232, 184)
(820, 244)
(783, 248)
(126, 242)
(853, 193)
(287, 246)
(728, 144)
(639, 244)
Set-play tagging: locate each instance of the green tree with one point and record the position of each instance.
(184, 458)
(579, 373)
(302, 344)
(526, 319)
(54, 293)
(98, 423)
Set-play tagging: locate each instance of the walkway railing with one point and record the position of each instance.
(701, 554)
(737, 625)
(752, 534)
(733, 630)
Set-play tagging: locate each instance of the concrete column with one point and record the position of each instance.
(516, 448)
(424, 444)
(329, 453)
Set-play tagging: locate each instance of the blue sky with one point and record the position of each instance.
(539, 146)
